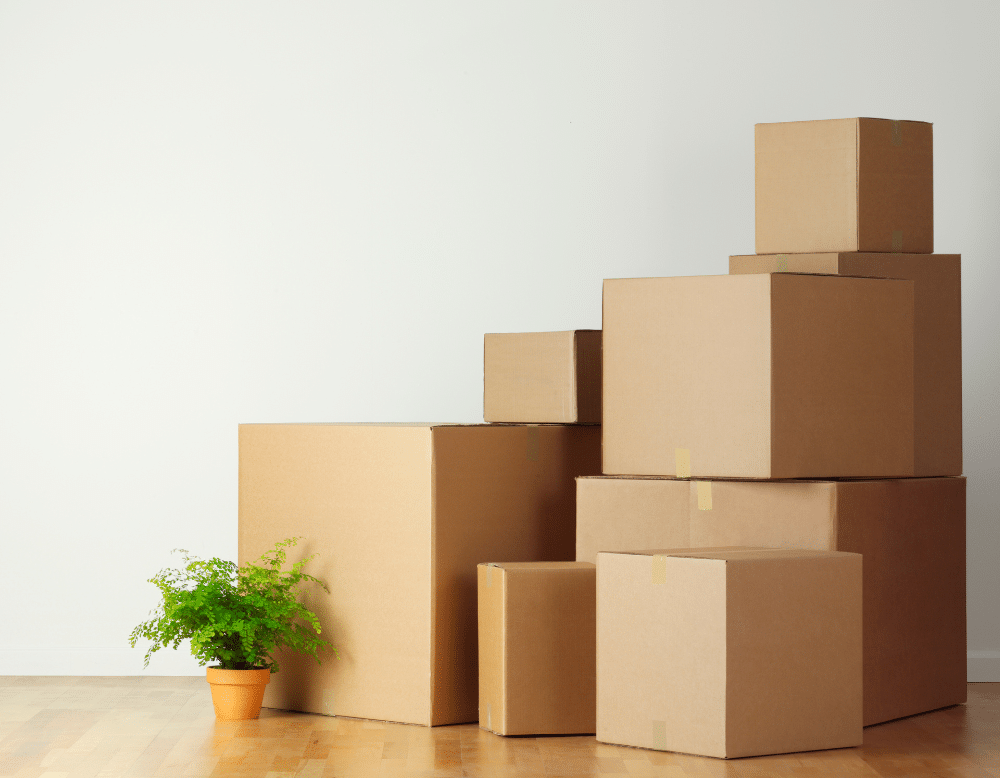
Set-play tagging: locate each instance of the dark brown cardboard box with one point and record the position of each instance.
(537, 644)
(911, 532)
(400, 516)
(758, 376)
(937, 338)
(729, 652)
(542, 377)
(844, 185)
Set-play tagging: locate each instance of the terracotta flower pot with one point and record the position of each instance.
(237, 694)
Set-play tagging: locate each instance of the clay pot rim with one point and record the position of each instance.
(253, 677)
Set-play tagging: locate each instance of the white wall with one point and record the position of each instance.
(222, 212)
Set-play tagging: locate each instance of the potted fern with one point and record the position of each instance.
(235, 617)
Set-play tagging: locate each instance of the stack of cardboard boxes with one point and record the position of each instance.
(773, 501)
(806, 401)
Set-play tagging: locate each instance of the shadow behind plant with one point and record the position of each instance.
(235, 617)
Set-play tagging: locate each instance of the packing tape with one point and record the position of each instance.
(897, 133)
(704, 495)
(489, 570)
(660, 735)
(897, 240)
(328, 707)
(782, 266)
(532, 443)
(659, 571)
(489, 718)
(682, 459)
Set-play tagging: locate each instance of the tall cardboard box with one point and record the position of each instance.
(937, 338)
(910, 531)
(542, 377)
(400, 516)
(729, 652)
(844, 185)
(758, 376)
(537, 644)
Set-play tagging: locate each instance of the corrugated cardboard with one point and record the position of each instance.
(537, 644)
(937, 338)
(758, 376)
(911, 533)
(542, 377)
(729, 652)
(844, 185)
(400, 516)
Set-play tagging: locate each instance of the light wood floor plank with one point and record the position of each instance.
(147, 727)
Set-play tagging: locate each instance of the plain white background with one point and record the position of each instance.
(222, 212)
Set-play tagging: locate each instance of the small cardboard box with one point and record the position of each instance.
(844, 185)
(542, 377)
(911, 532)
(537, 644)
(400, 516)
(729, 652)
(937, 338)
(758, 376)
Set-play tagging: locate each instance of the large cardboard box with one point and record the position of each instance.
(542, 377)
(937, 338)
(910, 531)
(844, 185)
(729, 652)
(537, 644)
(758, 376)
(400, 516)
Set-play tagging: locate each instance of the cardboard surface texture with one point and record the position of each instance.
(400, 516)
(758, 376)
(937, 338)
(537, 644)
(911, 533)
(729, 652)
(542, 377)
(844, 185)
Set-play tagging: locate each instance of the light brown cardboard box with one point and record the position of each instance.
(758, 376)
(729, 652)
(844, 185)
(937, 338)
(542, 377)
(401, 515)
(910, 531)
(537, 644)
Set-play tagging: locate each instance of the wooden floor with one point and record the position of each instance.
(68, 727)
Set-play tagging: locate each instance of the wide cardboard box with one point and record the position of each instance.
(758, 376)
(542, 377)
(537, 645)
(729, 652)
(844, 185)
(910, 531)
(937, 338)
(400, 516)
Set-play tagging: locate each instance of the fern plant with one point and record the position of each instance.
(235, 617)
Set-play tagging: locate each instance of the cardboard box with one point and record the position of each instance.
(542, 377)
(758, 376)
(537, 644)
(844, 185)
(729, 652)
(400, 516)
(910, 531)
(937, 338)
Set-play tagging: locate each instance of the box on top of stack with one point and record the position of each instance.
(844, 185)
(542, 377)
